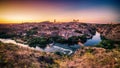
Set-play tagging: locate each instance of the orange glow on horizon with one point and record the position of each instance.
(15, 12)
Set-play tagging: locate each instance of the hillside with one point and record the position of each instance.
(105, 54)
(110, 31)
(13, 56)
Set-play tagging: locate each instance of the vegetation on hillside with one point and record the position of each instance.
(108, 44)
(19, 57)
(13, 56)
(106, 54)
(38, 41)
(5, 35)
(43, 41)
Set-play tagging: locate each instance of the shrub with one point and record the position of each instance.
(108, 44)
(58, 39)
(40, 42)
(5, 35)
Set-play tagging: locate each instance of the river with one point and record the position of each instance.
(96, 39)
(57, 47)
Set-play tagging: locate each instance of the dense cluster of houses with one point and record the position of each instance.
(65, 30)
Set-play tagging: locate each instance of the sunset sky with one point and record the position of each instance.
(94, 11)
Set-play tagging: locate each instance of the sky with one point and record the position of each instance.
(93, 11)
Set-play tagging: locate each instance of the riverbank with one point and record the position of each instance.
(96, 39)
(88, 57)
(14, 54)
(53, 48)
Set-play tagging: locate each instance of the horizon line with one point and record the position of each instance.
(58, 22)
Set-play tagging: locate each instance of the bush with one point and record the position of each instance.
(83, 38)
(40, 42)
(58, 39)
(108, 44)
(73, 40)
(5, 35)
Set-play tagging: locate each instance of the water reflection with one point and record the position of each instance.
(63, 48)
(95, 40)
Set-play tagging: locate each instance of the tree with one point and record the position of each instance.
(108, 44)
(58, 39)
(39, 41)
(6, 35)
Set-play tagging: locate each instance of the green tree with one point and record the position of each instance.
(6, 35)
(39, 41)
(108, 44)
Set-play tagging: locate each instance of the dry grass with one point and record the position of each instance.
(12, 56)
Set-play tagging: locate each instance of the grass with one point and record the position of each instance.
(14, 56)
